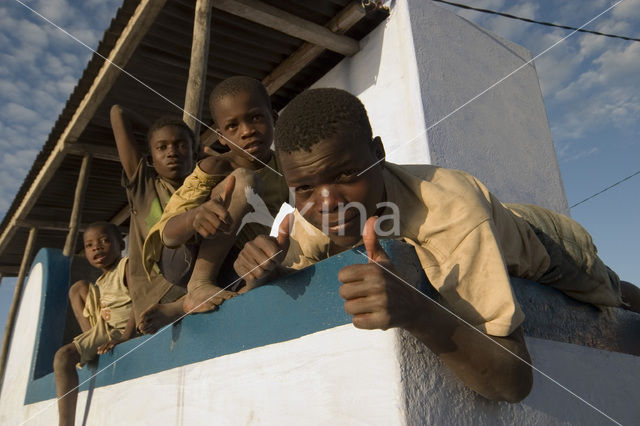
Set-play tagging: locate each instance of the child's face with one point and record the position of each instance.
(101, 248)
(329, 177)
(171, 152)
(246, 120)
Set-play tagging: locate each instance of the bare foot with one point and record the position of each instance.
(205, 297)
(160, 315)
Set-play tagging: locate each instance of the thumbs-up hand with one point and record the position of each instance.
(373, 294)
(259, 259)
(213, 215)
(375, 252)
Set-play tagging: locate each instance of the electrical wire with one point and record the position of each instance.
(606, 189)
(548, 24)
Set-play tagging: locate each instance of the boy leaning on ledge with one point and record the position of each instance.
(103, 311)
(467, 241)
(210, 212)
(151, 174)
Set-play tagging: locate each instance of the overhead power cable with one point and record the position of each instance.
(548, 24)
(606, 189)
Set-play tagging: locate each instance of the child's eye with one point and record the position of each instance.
(257, 117)
(231, 126)
(161, 147)
(303, 189)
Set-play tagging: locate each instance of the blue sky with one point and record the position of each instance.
(591, 89)
(590, 86)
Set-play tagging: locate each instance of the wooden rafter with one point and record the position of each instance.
(196, 83)
(340, 24)
(272, 17)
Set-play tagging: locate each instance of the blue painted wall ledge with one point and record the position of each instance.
(288, 308)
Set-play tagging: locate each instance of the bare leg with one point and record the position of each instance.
(630, 296)
(64, 367)
(159, 315)
(202, 294)
(78, 297)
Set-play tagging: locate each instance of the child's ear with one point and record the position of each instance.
(275, 116)
(378, 149)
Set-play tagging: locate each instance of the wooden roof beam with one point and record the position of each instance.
(136, 28)
(339, 24)
(47, 225)
(194, 96)
(102, 152)
(9, 270)
(279, 20)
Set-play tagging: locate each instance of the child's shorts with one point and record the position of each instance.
(575, 267)
(177, 266)
(100, 332)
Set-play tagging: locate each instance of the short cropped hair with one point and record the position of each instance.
(170, 120)
(111, 228)
(317, 114)
(235, 85)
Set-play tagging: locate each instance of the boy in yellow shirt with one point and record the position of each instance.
(468, 244)
(103, 311)
(221, 191)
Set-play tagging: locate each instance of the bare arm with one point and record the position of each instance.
(130, 327)
(378, 300)
(123, 123)
(490, 370)
(207, 219)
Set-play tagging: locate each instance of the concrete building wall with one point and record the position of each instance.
(330, 374)
(420, 74)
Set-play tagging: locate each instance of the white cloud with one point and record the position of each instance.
(10, 91)
(18, 113)
(57, 11)
(39, 67)
(583, 153)
(615, 68)
(513, 29)
(31, 34)
(20, 157)
(628, 9)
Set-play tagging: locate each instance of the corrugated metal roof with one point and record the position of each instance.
(237, 46)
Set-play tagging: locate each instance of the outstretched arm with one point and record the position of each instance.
(123, 123)
(379, 300)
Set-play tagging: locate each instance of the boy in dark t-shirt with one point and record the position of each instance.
(150, 177)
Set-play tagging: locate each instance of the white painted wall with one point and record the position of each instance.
(338, 376)
(16, 376)
(421, 67)
(384, 75)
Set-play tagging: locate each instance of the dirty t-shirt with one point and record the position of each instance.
(108, 307)
(467, 242)
(197, 189)
(148, 194)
